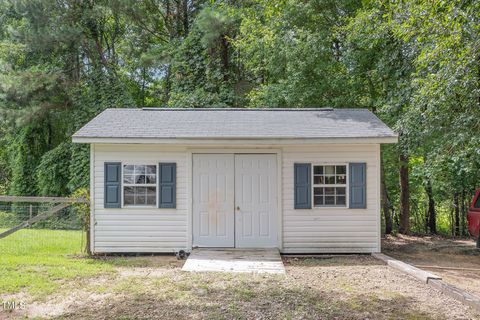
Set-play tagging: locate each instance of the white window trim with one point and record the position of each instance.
(347, 195)
(132, 206)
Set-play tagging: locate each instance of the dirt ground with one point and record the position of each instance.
(430, 252)
(338, 287)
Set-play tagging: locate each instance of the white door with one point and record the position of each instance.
(213, 200)
(255, 200)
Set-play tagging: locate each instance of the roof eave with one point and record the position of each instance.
(238, 140)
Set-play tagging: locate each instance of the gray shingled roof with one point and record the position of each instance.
(235, 124)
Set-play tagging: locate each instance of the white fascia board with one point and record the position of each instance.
(237, 141)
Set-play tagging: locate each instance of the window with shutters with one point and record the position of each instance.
(139, 185)
(330, 185)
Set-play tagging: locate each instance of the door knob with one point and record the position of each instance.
(238, 208)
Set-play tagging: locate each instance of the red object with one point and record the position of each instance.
(473, 215)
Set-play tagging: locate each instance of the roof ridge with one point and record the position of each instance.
(236, 109)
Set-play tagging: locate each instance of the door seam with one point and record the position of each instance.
(234, 200)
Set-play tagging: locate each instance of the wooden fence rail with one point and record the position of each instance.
(40, 217)
(42, 199)
(62, 203)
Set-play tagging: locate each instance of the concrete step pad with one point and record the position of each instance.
(235, 260)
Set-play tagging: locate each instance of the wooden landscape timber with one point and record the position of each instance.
(447, 268)
(420, 274)
(456, 293)
(432, 280)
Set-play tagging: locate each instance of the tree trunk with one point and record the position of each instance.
(49, 132)
(144, 81)
(385, 203)
(178, 18)
(185, 17)
(87, 242)
(225, 58)
(463, 214)
(452, 221)
(431, 213)
(168, 85)
(404, 195)
(456, 214)
(168, 18)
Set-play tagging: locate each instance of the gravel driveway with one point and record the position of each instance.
(340, 287)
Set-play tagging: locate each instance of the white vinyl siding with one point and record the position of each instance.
(316, 230)
(331, 229)
(142, 229)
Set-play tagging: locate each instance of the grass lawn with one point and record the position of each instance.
(47, 270)
(40, 261)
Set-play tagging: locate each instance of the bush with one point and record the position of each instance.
(8, 219)
(52, 174)
(83, 213)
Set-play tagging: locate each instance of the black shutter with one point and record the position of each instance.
(303, 186)
(167, 185)
(113, 180)
(358, 185)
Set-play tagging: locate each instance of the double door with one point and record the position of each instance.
(235, 200)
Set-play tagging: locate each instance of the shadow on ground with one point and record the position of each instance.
(241, 300)
(334, 287)
(331, 261)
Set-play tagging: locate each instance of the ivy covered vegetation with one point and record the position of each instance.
(416, 64)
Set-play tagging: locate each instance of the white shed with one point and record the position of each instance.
(300, 180)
